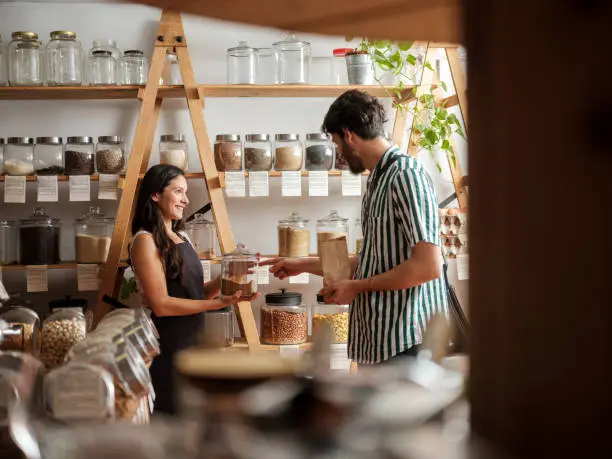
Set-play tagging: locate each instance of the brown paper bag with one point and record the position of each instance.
(335, 260)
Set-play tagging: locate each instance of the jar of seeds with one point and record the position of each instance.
(319, 152)
(228, 152)
(258, 154)
(110, 154)
(284, 319)
(289, 153)
(79, 156)
(49, 156)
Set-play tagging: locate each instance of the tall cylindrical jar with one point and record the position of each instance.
(79, 156)
(3, 64)
(258, 155)
(25, 59)
(293, 59)
(19, 156)
(173, 151)
(93, 233)
(284, 319)
(288, 152)
(293, 237)
(228, 152)
(319, 152)
(45, 231)
(64, 59)
(9, 242)
(218, 330)
(102, 68)
(133, 68)
(237, 272)
(331, 227)
(49, 156)
(241, 64)
(110, 154)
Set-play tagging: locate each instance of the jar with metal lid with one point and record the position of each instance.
(101, 68)
(19, 156)
(144, 334)
(173, 151)
(203, 236)
(1, 156)
(18, 313)
(319, 152)
(49, 156)
(266, 66)
(237, 272)
(333, 316)
(139, 315)
(258, 155)
(284, 319)
(106, 44)
(79, 156)
(60, 331)
(133, 370)
(218, 330)
(241, 64)
(228, 152)
(293, 237)
(9, 242)
(45, 231)
(110, 154)
(357, 234)
(93, 233)
(25, 60)
(331, 227)
(171, 74)
(293, 59)
(3, 65)
(64, 59)
(288, 152)
(133, 68)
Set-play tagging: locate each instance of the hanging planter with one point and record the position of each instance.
(359, 68)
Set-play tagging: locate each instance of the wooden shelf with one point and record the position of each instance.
(61, 265)
(332, 173)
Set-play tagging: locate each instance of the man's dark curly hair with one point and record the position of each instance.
(358, 112)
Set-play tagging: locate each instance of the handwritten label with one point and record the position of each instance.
(463, 266)
(47, 188)
(291, 183)
(80, 393)
(80, 188)
(303, 278)
(206, 269)
(351, 184)
(37, 278)
(107, 187)
(235, 186)
(263, 275)
(258, 184)
(88, 278)
(15, 189)
(318, 183)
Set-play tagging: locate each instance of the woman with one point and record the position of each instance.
(169, 274)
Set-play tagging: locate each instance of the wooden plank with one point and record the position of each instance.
(294, 90)
(460, 82)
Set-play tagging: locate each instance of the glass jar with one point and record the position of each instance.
(331, 227)
(133, 68)
(19, 156)
(171, 74)
(60, 331)
(284, 319)
(45, 231)
(258, 154)
(1, 156)
(133, 370)
(358, 235)
(9, 242)
(24, 319)
(49, 156)
(64, 59)
(333, 316)
(321, 70)
(293, 60)
(173, 151)
(266, 66)
(203, 235)
(228, 152)
(3, 65)
(319, 152)
(101, 68)
(218, 331)
(106, 44)
(288, 152)
(241, 64)
(93, 233)
(237, 272)
(77, 304)
(151, 344)
(25, 60)
(79, 156)
(293, 237)
(110, 154)
(339, 66)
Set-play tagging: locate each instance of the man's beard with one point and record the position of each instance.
(354, 162)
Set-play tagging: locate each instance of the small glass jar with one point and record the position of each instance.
(79, 156)
(203, 236)
(64, 59)
(93, 233)
(228, 152)
(237, 272)
(218, 331)
(133, 369)
(171, 74)
(284, 319)
(241, 66)
(319, 152)
(173, 151)
(258, 155)
(49, 156)
(25, 60)
(358, 235)
(266, 66)
(1, 156)
(102, 68)
(136, 333)
(19, 156)
(110, 154)
(293, 237)
(331, 227)
(293, 59)
(288, 152)
(45, 231)
(321, 70)
(334, 316)
(133, 68)
(3, 65)
(19, 316)
(60, 332)
(9, 242)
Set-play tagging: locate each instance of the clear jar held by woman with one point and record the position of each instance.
(102, 68)
(25, 60)
(237, 272)
(39, 237)
(60, 331)
(133, 68)
(173, 151)
(218, 330)
(284, 319)
(331, 227)
(241, 64)
(258, 154)
(49, 156)
(319, 152)
(293, 60)
(19, 156)
(228, 152)
(335, 317)
(9, 242)
(293, 237)
(18, 313)
(64, 59)
(203, 236)
(110, 154)
(288, 152)
(93, 232)
(79, 156)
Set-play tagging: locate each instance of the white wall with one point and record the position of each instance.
(134, 27)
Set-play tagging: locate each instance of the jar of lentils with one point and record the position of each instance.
(319, 152)
(258, 154)
(110, 154)
(19, 156)
(289, 153)
(284, 319)
(228, 152)
(25, 59)
(133, 68)
(79, 156)
(64, 59)
(49, 156)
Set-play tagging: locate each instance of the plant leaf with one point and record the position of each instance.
(445, 145)
(411, 59)
(405, 45)
(439, 167)
(452, 119)
(441, 114)
(443, 85)
(349, 38)
(428, 66)
(431, 136)
(382, 44)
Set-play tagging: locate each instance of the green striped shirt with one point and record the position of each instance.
(399, 210)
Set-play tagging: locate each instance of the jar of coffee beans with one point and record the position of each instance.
(79, 156)
(110, 154)
(228, 152)
(284, 319)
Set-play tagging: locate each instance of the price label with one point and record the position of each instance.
(291, 183)
(291, 349)
(463, 266)
(318, 183)
(80, 393)
(37, 278)
(351, 184)
(235, 186)
(258, 184)
(88, 277)
(303, 278)
(47, 188)
(15, 189)
(206, 269)
(263, 275)
(107, 187)
(80, 188)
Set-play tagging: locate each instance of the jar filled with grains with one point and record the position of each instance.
(60, 331)
(288, 152)
(258, 154)
(79, 156)
(49, 156)
(333, 316)
(293, 237)
(110, 154)
(228, 152)
(319, 152)
(173, 151)
(284, 319)
(332, 226)
(19, 156)
(18, 313)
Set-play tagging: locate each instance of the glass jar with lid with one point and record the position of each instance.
(151, 343)
(293, 58)
(284, 319)
(49, 156)
(106, 44)
(60, 331)
(9, 241)
(19, 156)
(241, 64)
(133, 370)
(25, 60)
(331, 227)
(18, 313)
(335, 317)
(288, 152)
(266, 66)
(79, 156)
(218, 330)
(173, 151)
(3, 65)
(203, 236)
(64, 59)
(93, 233)
(293, 237)
(238, 272)
(228, 152)
(171, 74)
(319, 152)
(101, 68)
(110, 154)
(258, 155)
(133, 68)
(358, 236)
(43, 229)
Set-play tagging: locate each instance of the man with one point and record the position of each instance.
(397, 285)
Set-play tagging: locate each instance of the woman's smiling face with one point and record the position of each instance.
(173, 200)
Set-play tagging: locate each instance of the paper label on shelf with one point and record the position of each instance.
(463, 266)
(80, 188)
(291, 183)
(80, 393)
(107, 186)
(258, 184)
(263, 275)
(318, 183)
(351, 184)
(47, 188)
(235, 186)
(290, 349)
(206, 269)
(15, 189)
(303, 278)
(37, 278)
(88, 278)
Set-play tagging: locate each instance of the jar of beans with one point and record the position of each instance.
(79, 156)
(110, 154)
(228, 152)
(284, 319)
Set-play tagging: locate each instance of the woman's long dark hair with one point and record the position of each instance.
(148, 216)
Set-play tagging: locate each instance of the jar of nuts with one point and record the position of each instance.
(60, 331)
(284, 319)
(334, 317)
(25, 322)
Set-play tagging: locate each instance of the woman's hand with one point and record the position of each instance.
(284, 267)
(224, 301)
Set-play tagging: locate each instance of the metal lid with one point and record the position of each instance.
(228, 137)
(40, 217)
(286, 137)
(110, 139)
(80, 140)
(24, 35)
(317, 136)
(293, 218)
(341, 52)
(49, 140)
(102, 52)
(291, 42)
(20, 140)
(172, 138)
(94, 215)
(242, 47)
(257, 138)
(200, 220)
(284, 298)
(68, 302)
(63, 35)
(133, 52)
(101, 42)
(333, 216)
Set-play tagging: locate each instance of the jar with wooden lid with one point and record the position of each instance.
(258, 154)
(293, 237)
(284, 319)
(228, 152)
(173, 151)
(288, 152)
(332, 226)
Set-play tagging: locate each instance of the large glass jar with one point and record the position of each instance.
(133, 369)
(60, 331)
(39, 237)
(319, 152)
(293, 237)
(79, 156)
(237, 272)
(9, 242)
(218, 331)
(76, 304)
(331, 227)
(64, 59)
(110, 154)
(101, 68)
(333, 316)
(266, 66)
(133, 68)
(241, 64)
(25, 60)
(19, 156)
(288, 152)
(3, 65)
(203, 235)
(228, 152)
(49, 156)
(258, 155)
(284, 319)
(19, 316)
(173, 151)
(93, 232)
(293, 60)
(144, 335)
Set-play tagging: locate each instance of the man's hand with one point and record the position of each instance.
(284, 267)
(340, 292)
